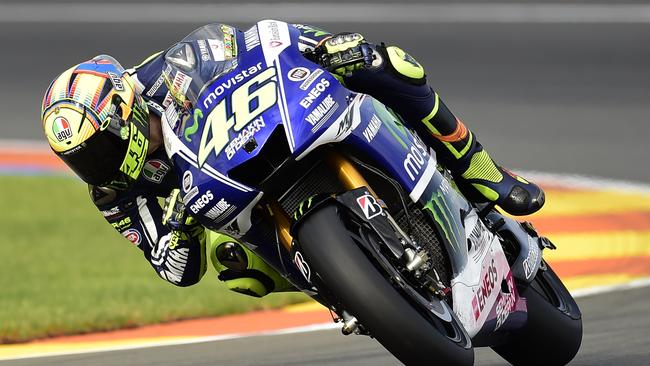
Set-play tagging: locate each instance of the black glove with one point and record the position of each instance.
(174, 215)
(344, 53)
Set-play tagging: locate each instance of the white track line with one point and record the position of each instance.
(591, 291)
(177, 342)
(314, 12)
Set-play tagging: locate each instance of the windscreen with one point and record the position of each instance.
(198, 60)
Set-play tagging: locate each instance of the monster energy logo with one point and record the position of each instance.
(393, 124)
(437, 205)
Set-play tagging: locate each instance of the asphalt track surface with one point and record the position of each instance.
(615, 325)
(563, 98)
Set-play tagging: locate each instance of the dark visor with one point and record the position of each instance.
(97, 161)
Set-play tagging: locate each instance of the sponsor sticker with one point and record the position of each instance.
(112, 212)
(485, 290)
(480, 237)
(298, 73)
(373, 128)
(229, 42)
(314, 93)
(251, 38)
(217, 49)
(168, 100)
(302, 265)
(220, 210)
(530, 262)
(191, 194)
(155, 170)
(369, 205)
(188, 181)
(203, 49)
(310, 79)
(179, 86)
(415, 160)
(230, 83)
(154, 88)
(322, 113)
(172, 115)
(201, 202)
(243, 136)
(122, 224)
(116, 80)
(506, 303)
(133, 236)
(61, 129)
(274, 40)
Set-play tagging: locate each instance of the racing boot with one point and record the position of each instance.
(476, 174)
(242, 270)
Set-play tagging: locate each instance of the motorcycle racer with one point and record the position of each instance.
(104, 123)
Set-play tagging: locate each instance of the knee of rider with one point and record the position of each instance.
(395, 75)
(403, 65)
(243, 271)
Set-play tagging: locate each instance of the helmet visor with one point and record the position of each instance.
(115, 156)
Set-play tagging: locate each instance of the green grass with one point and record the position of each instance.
(64, 270)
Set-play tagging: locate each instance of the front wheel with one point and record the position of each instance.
(363, 291)
(553, 332)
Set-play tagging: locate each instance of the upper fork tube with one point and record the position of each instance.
(281, 223)
(346, 172)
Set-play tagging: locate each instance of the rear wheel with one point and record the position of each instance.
(363, 291)
(553, 333)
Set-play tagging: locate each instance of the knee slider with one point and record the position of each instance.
(403, 65)
(243, 271)
(234, 267)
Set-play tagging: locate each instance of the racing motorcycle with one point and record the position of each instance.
(332, 190)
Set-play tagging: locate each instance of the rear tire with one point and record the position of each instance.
(364, 292)
(553, 333)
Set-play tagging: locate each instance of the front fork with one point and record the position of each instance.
(347, 174)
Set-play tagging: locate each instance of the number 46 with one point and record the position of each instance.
(215, 133)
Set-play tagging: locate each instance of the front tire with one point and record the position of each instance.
(364, 292)
(553, 333)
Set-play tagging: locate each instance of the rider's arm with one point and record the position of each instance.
(177, 256)
(148, 76)
(397, 80)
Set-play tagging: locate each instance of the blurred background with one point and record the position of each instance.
(560, 87)
(553, 86)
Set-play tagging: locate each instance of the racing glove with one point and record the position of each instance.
(174, 215)
(344, 53)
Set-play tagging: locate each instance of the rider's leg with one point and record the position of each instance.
(242, 270)
(400, 83)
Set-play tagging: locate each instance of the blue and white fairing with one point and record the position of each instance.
(268, 85)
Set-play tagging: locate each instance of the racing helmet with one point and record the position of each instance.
(96, 122)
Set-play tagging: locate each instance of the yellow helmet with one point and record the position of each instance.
(97, 123)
